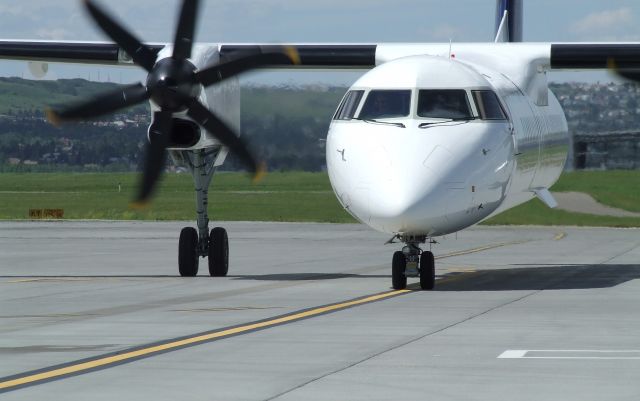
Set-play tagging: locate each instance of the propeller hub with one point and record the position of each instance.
(172, 84)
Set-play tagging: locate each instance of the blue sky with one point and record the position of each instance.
(369, 21)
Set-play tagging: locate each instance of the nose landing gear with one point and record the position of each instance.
(413, 262)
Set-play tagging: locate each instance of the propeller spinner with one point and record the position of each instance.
(174, 84)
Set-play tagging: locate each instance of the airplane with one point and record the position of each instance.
(432, 139)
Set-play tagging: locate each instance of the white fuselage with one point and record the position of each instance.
(446, 175)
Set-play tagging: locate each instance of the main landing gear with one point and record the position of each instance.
(217, 250)
(193, 243)
(413, 262)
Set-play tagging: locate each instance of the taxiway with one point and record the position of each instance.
(94, 311)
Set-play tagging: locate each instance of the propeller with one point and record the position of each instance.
(624, 69)
(174, 84)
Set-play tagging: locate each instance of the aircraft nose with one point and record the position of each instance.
(422, 182)
(408, 201)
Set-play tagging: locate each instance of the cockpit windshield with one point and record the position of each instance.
(444, 103)
(386, 104)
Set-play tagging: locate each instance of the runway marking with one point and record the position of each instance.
(571, 354)
(105, 361)
(100, 362)
(462, 270)
(480, 249)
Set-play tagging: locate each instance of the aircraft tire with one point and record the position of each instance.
(218, 252)
(187, 252)
(398, 267)
(427, 271)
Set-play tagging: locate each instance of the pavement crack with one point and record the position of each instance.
(404, 343)
(633, 248)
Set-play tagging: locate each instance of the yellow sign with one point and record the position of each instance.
(46, 213)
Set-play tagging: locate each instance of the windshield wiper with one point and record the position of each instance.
(372, 121)
(448, 120)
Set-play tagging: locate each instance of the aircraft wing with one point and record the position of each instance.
(66, 52)
(589, 56)
(342, 56)
(571, 56)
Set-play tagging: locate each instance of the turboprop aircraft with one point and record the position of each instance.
(434, 138)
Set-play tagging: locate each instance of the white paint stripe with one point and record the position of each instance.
(562, 354)
(584, 357)
(513, 354)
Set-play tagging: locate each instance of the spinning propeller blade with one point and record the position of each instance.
(619, 68)
(101, 105)
(174, 85)
(200, 114)
(220, 72)
(155, 157)
(186, 30)
(140, 53)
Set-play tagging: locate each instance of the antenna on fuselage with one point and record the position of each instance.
(450, 46)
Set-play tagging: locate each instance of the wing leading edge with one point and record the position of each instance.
(590, 56)
(311, 55)
(572, 56)
(556, 56)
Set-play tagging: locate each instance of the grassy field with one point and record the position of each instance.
(280, 197)
(620, 189)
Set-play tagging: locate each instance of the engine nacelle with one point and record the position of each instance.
(184, 133)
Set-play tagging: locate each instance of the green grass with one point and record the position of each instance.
(620, 189)
(279, 197)
(537, 213)
(291, 196)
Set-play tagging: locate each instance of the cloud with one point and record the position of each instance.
(54, 34)
(607, 22)
(440, 33)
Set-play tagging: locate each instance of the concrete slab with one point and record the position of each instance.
(78, 290)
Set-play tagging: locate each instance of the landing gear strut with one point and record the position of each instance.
(199, 243)
(413, 262)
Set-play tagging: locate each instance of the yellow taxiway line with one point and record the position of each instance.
(126, 356)
(105, 361)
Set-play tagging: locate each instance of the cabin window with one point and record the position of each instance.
(488, 105)
(349, 105)
(386, 104)
(444, 103)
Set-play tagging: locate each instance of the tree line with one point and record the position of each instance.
(285, 126)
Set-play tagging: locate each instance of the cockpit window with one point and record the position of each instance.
(386, 104)
(488, 105)
(349, 105)
(444, 103)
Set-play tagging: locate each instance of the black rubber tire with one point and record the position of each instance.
(398, 268)
(427, 271)
(187, 252)
(218, 252)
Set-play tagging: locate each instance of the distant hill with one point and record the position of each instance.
(22, 95)
(285, 125)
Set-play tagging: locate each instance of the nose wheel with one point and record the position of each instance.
(427, 271)
(413, 262)
(398, 271)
